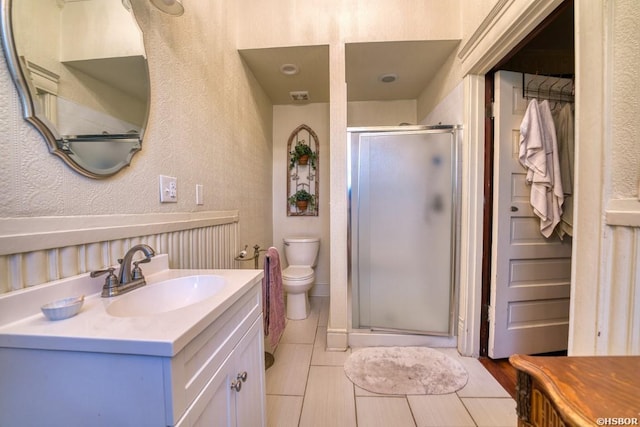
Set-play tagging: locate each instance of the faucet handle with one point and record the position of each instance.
(136, 273)
(109, 270)
(110, 282)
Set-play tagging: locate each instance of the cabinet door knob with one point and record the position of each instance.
(236, 385)
(242, 376)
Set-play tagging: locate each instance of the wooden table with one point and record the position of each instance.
(577, 391)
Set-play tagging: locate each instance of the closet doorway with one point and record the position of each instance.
(526, 277)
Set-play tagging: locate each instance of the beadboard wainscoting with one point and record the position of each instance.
(39, 250)
(619, 294)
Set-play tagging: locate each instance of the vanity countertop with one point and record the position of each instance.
(94, 330)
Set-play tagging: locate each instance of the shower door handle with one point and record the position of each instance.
(514, 209)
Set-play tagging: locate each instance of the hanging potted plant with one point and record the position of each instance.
(302, 200)
(302, 154)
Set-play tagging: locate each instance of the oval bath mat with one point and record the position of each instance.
(405, 370)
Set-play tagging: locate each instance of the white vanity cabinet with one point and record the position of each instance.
(193, 387)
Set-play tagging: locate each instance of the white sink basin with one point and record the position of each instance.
(166, 296)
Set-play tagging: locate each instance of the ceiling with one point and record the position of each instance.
(415, 63)
(112, 70)
(313, 75)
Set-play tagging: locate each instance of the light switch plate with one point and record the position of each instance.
(199, 194)
(168, 189)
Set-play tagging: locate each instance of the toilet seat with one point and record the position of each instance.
(297, 272)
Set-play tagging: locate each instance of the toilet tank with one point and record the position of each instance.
(301, 250)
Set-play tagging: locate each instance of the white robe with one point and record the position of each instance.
(539, 155)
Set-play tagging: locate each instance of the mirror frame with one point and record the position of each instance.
(32, 113)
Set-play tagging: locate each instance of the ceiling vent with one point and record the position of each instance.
(299, 95)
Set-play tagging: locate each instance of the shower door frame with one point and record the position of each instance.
(353, 134)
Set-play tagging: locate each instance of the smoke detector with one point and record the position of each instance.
(299, 95)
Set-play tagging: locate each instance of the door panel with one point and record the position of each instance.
(531, 275)
(403, 229)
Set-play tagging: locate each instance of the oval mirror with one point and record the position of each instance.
(81, 71)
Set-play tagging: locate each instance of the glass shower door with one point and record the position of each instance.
(403, 230)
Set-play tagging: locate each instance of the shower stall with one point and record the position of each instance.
(403, 232)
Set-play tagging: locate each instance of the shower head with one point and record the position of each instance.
(172, 7)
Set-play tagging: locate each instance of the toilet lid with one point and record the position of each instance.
(295, 272)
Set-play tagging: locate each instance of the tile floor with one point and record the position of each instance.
(306, 386)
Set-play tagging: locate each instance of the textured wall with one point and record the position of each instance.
(210, 124)
(308, 22)
(473, 13)
(440, 87)
(449, 111)
(381, 113)
(625, 143)
(286, 118)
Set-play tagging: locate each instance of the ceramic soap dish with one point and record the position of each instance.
(63, 309)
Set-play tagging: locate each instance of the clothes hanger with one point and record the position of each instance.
(527, 90)
(555, 100)
(540, 86)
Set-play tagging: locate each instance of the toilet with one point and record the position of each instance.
(301, 254)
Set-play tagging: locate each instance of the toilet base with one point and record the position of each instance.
(297, 306)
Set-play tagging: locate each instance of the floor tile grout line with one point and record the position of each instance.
(413, 416)
(467, 409)
(355, 402)
(306, 384)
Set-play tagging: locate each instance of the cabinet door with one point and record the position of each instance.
(214, 406)
(244, 405)
(249, 358)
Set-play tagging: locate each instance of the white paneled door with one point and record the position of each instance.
(531, 275)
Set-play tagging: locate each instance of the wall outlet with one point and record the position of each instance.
(199, 194)
(168, 189)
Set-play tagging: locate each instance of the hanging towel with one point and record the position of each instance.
(539, 155)
(563, 121)
(273, 298)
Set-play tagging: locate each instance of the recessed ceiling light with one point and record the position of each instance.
(388, 78)
(172, 7)
(289, 69)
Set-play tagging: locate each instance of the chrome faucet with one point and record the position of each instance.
(128, 278)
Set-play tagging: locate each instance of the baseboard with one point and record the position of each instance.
(337, 340)
(368, 338)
